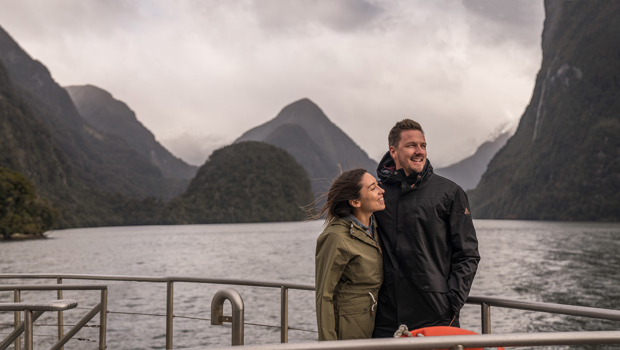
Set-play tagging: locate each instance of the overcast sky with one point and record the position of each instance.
(200, 73)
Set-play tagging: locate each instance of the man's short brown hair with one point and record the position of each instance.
(405, 124)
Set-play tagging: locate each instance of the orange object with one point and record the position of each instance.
(442, 330)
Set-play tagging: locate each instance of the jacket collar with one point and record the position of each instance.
(357, 232)
(386, 171)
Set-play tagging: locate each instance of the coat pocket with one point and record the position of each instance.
(355, 321)
(430, 283)
(434, 292)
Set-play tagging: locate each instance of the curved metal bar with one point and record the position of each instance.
(217, 312)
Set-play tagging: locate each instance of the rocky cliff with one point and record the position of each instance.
(563, 163)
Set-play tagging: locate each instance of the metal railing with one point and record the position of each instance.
(454, 342)
(170, 281)
(485, 303)
(30, 317)
(32, 311)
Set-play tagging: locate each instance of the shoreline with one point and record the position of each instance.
(16, 237)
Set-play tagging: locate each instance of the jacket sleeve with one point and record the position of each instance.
(332, 257)
(465, 256)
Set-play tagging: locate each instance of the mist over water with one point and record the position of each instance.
(556, 262)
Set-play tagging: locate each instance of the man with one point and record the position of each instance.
(430, 245)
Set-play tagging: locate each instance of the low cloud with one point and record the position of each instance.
(220, 68)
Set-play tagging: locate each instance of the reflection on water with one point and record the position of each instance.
(558, 262)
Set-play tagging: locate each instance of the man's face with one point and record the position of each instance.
(410, 154)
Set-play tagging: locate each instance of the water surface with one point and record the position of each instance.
(557, 262)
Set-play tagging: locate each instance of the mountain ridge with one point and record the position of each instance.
(113, 116)
(328, 147)
(98, 159)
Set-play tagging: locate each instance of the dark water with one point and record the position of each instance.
(557, 262)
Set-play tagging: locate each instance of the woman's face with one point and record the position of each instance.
(371, 195)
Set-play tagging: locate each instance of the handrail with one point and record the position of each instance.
(453, 342)
(54, 305)
(485, 302)
(572, 310)
(239, 282)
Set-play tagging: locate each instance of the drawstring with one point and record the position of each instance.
(374, 305)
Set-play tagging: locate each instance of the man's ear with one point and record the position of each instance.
(355, 203)
(393, 152)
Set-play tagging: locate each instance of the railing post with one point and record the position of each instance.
(169, 314)
(283, 314)
(217, 312)
(61, 330)
(18, 315)
(486, 318)
(28, 334)
(103, 319)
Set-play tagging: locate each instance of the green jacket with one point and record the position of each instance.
(349, 266)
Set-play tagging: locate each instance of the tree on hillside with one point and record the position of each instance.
(21, 211)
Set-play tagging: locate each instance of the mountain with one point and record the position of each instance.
(244, 182)
(98, 159)
(563, 163)
(467, 172)
(114, 117)
(27, 147)
(303, 130)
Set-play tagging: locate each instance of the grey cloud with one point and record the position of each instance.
(293, 16)
(499, 21)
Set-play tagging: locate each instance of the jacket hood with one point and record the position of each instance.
(386, 171)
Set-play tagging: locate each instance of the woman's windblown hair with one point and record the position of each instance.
(346, 186)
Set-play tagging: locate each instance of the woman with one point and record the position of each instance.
(349, 262)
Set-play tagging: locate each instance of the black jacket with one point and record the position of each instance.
(430, 249)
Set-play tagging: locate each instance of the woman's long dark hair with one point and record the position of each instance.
(346, 186)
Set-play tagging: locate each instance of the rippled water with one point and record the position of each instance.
(558, 262)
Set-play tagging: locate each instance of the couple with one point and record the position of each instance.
(412, 262)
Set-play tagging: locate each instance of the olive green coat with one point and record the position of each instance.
(349, 266)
